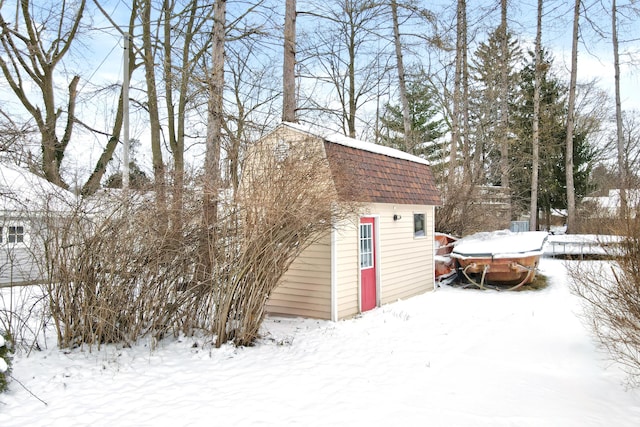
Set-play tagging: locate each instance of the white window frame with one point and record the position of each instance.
(366, 246)
(13, 234)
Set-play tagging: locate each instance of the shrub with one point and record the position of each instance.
(5, 361)
(611, 299)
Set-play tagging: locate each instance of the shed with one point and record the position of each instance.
(386, 254)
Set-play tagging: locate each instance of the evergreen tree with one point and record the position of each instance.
(488, 130)
(138, 180)
(553, 113)
(426, 122)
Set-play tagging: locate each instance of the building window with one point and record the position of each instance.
(366, 246)
(419, 228)
(16, 234)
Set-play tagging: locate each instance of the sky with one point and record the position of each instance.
(99, 60)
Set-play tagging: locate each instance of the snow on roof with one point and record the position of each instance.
(22, 190)
(611, 202)
(338, 138)
(500, 244)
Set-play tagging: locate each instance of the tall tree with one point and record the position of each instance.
(402, 86)
(30, 56)
(537, 76)
(148, 60)
(552, 193)
(181, 53)
(619, 128)
(458, 94)
(535, 121)
(505, 71)
(569, 165)
(215, 117)
(347, 54)
(495, 84)
(289, 63)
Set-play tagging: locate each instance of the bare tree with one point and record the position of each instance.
(535, 136)
(456, 125)
(505, 164)
(289, 63)
(347, 57)
(402, 86)
(31, 55)
(571, 195)
(215, 116)
(252, 91)
(619, 129)
(148, 59)
(610, 293)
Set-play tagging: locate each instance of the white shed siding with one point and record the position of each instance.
(347, 269)
(406, 262)
(405, 266)
(305, 289)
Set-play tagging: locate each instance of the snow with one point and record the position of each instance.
(338, 138)
(453, 357)
(21, 190)
(500, 244)
(581, 244)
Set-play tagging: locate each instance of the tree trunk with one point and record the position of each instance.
(289, 64)
(30, 58)
(352, 103)
(402, 86)
(622, 167)
(457, 97)
(571, 194)
(504, 102)
(535, 126)
(464, 69)
(215, 117)
(153, 111)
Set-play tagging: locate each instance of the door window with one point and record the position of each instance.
(366, 246)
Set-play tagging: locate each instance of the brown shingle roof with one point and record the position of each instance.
(366, 176)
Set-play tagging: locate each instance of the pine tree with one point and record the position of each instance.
(489, 128)
(426, 123)
(552, 176)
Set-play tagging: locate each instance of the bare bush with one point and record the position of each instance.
(116, 272)
(610, 292)
(23, 316)
(287, 202)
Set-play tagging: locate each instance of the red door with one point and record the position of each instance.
(367, 264)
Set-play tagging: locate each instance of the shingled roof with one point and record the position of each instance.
(367, 176)
(372, 173)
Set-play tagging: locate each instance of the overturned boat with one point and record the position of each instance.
(500, 257)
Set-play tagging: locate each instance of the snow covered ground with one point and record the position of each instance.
(454, 357)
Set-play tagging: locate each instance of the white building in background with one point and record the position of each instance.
(608, 206)
(26, 201)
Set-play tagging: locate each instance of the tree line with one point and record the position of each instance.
(431, 79)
